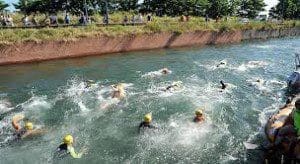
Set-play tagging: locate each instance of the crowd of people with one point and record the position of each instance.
(137, 19)
(6, 20)
(53, 20)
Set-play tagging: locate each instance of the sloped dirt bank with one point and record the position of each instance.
(49, 50)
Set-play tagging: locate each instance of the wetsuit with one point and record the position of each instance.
(146, 125)
(198, 119)
(223, 85)
(63, 150)
(18, 135)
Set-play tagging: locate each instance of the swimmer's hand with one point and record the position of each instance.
(84, 151)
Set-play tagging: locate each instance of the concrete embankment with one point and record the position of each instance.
(48, 50)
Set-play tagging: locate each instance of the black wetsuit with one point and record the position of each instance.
(223, 85)
(61, 151)
(18, 135)
(146, 125)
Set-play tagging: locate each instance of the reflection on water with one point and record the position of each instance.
(55, 95)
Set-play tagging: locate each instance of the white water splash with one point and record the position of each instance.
(5, 106)
(156, 73)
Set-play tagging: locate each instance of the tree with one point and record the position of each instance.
(251, 8)
(3, 5)
(273, 13)
(30, 6)
(218, 8)
(288, 9)
(127, 5)
(233, 7)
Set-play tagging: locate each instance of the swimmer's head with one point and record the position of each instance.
(118, 86)
(68, 139)
(199, 112)
(29, 125)
(165, 71)
(148, 118)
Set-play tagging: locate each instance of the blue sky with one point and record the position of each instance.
(270, 3)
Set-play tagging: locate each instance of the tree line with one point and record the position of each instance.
(212, 8)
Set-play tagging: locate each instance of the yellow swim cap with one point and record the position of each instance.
(148, 118)
(28, 125)
(199, 112)
(68, 139)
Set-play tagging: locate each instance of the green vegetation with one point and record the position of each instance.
(2, 5)
(167, 15)
(212, 8)
(159, 24)
(287, 9)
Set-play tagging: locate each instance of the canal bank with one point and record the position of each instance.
(49, 50)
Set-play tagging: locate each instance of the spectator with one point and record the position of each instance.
(140, 18)
(105, 19)
(26, 21)
(149, 18)
(133, 19)
(187, 18)
(47, 20)
(53, 19)
(34, 21)
(67, 19)
(217, 19)
(206, 18)
(125, 20)
(9, 21)
(183, 18)
(2, 20)
(82, 19)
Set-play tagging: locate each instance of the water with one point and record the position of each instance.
(53, 95)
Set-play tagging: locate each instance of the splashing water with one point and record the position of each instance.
(75, 96)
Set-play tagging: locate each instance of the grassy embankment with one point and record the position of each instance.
(164, 24)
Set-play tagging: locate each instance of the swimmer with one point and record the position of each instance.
(165, 71)
(27, 131)
(199, 116)
(222, 63)
(118, 91)
(223, 85)
(67, 148)
(147, 122)
(89, 83)
(174, 86)
(287, 102)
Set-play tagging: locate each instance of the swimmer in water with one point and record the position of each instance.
(222, 63)
(165, 71)
(89, 83)
(174, 86)
(199, 116)
(223, 85)
(118, 91)
(27, 131)
(147, 122)
(66, 148)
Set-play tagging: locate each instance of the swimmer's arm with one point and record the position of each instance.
(73, 153)
(15, 121)
(34, 132)
(16, 125)
(141, 125)
(153, 127)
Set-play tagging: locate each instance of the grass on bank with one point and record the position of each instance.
(164, 24)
